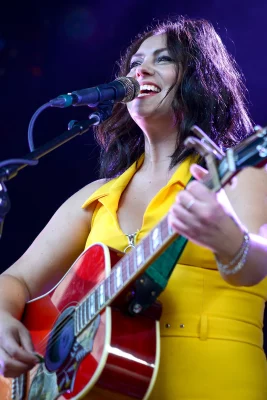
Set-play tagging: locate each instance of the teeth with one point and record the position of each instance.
(150, 87)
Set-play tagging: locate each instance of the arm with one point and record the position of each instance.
(248, 197)
(36, 272)
(215, 221)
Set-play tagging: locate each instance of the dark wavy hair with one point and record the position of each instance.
(211, 95)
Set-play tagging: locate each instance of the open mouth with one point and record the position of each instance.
(146, 90)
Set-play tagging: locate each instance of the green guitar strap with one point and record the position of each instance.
(161, 269)
(150, 284)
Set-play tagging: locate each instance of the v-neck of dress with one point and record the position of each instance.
(110, 193)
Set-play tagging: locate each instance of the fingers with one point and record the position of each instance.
(10, 367)
(187, 200)
(198, 200)
(180, 224)
(17, 352)
(198, 172)
(196, 213)
(200, 217)
(200, 191)
(182, 215)
(25, 340)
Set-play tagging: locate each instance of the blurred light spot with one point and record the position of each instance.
(2, 44)
(79, 24)
(36, 71)
(2, 71)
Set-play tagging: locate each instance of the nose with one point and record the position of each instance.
(144, 69)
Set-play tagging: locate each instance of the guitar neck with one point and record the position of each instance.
(124, 272)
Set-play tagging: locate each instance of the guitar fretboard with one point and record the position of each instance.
(123, 273)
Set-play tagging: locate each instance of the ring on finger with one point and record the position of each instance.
(190, 204)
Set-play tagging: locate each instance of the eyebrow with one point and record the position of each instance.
(155, 53)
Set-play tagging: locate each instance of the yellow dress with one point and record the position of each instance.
(211, 332)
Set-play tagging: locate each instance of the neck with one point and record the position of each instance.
(159, 146)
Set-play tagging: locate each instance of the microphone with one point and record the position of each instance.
(121, 90)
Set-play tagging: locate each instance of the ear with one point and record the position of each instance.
(198, 172)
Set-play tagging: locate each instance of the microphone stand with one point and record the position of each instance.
(75, 128)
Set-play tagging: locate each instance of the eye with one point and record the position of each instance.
(134, 64)
(165, 58)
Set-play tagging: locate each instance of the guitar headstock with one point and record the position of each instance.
(251, 152)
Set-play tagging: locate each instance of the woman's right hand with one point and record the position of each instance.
(16, 348)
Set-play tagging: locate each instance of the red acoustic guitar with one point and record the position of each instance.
(89, 347)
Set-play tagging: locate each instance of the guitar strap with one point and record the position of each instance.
(150, 284)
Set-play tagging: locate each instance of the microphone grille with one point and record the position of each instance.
(132, 88)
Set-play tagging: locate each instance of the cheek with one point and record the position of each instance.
(131, 74)
(169, 99)
(173, 77)
(129, 106)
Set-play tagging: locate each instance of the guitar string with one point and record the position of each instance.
(44, 347)
(65, 323)
(111, 278)
(32, 373)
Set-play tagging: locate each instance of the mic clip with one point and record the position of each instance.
(103, 111)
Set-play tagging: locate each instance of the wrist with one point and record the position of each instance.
(237, 262)
(230, 241)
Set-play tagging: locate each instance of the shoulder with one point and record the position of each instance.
(82, 195)
(72, 209)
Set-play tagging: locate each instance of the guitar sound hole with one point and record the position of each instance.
(61, 341)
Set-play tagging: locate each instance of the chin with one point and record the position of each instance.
(153, 115)
(145, 116)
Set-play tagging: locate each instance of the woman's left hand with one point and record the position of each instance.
(198, 215)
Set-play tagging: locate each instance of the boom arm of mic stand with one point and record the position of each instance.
(9, 172)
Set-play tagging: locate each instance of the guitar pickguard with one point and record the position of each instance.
(50, 385)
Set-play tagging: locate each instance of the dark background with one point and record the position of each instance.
(49, 48)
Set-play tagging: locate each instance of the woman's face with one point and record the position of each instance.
(154, 69)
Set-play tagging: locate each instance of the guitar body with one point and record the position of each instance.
(115, 356)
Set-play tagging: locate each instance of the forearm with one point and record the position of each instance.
(13, 295)
(255, 266)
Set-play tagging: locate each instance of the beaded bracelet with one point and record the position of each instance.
(239, 260)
